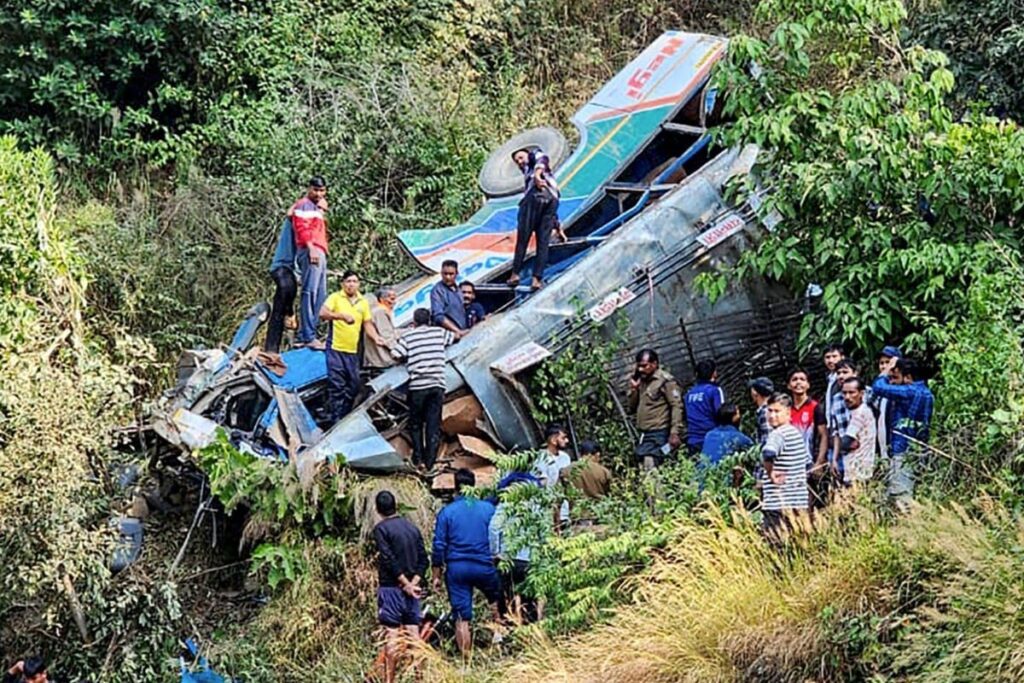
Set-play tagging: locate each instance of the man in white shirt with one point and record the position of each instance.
(549, 466)
(857, 441)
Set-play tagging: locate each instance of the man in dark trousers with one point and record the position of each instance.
(282, 272)
(538, 213)
(401, 568)
(349, 314)
(702, 404)
(655, 396)
(310, 227)
(422, 348)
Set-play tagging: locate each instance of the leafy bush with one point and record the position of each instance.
(885, 196)
(59, 401)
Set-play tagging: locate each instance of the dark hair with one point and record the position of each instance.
(589, 447)
(33, 667)
(449, 263)
(385, 503)
(347, 274)
(467, 283)
(858, 380)
(705, 370)
(726, 414)
(834, 346)
(781, 399)
(421, 316)
(797, 371)
(464, 478)
(651, 354)
(847, 363)
(318, 182)
(553, 429)
(907, 366)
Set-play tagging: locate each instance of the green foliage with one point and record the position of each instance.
(60, 398)
(272, 494)
(26, 184)
(885, 197)
(574, 389)
(982, 39)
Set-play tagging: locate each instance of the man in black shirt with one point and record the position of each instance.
(31, 670)
(401, 567)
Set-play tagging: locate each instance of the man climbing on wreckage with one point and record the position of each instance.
(538, 213)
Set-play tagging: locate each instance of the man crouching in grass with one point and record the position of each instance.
(786, 461)
(401, 567)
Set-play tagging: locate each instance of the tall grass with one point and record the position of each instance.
(934, 596)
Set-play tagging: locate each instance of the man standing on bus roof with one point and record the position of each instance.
(538, 213)
(307, 216)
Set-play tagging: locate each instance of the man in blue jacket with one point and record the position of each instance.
(282, 272)
(462, 552)
(702, 404)
(911, 403)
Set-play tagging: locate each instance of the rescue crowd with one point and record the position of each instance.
(810, 450)
(299, 270)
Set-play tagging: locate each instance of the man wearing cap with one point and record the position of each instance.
(912, 403)
(538, 213)
(888, 356)
(703, 400)
(760, 389)
(654, 395)
(307, 216)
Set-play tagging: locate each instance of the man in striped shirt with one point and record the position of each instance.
(422, 348)
(785, 457)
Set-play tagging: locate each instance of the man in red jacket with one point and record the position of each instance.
(307, 216)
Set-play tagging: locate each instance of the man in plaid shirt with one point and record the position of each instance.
(760, 389)
(839, 414)
(911, 403)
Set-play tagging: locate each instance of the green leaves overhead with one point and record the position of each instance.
(886, 194)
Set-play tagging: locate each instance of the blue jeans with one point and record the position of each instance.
(314, 293)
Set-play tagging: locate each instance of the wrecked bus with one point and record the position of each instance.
(644, 207)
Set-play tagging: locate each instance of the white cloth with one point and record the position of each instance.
(548, 467)
(859, 464)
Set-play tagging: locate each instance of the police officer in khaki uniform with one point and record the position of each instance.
(658, 402)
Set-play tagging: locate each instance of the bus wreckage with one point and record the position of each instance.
(643, 204)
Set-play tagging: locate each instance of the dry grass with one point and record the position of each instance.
(722, 605)
(414, 499)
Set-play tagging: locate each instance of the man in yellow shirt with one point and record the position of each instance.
(349, 314)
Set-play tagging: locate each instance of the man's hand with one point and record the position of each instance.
(835, 470)
(634, 383)
(674, 441)
(346, 318)
(322, 204)
(412, 590)
(436, 584)
(18, 668)
(778, 478)
(315, 256)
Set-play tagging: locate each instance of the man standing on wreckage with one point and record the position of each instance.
(538, 213)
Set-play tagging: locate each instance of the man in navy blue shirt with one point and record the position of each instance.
(401, 566)
(475, 312)
(462, 552)
(702, 404)
(447, 309)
